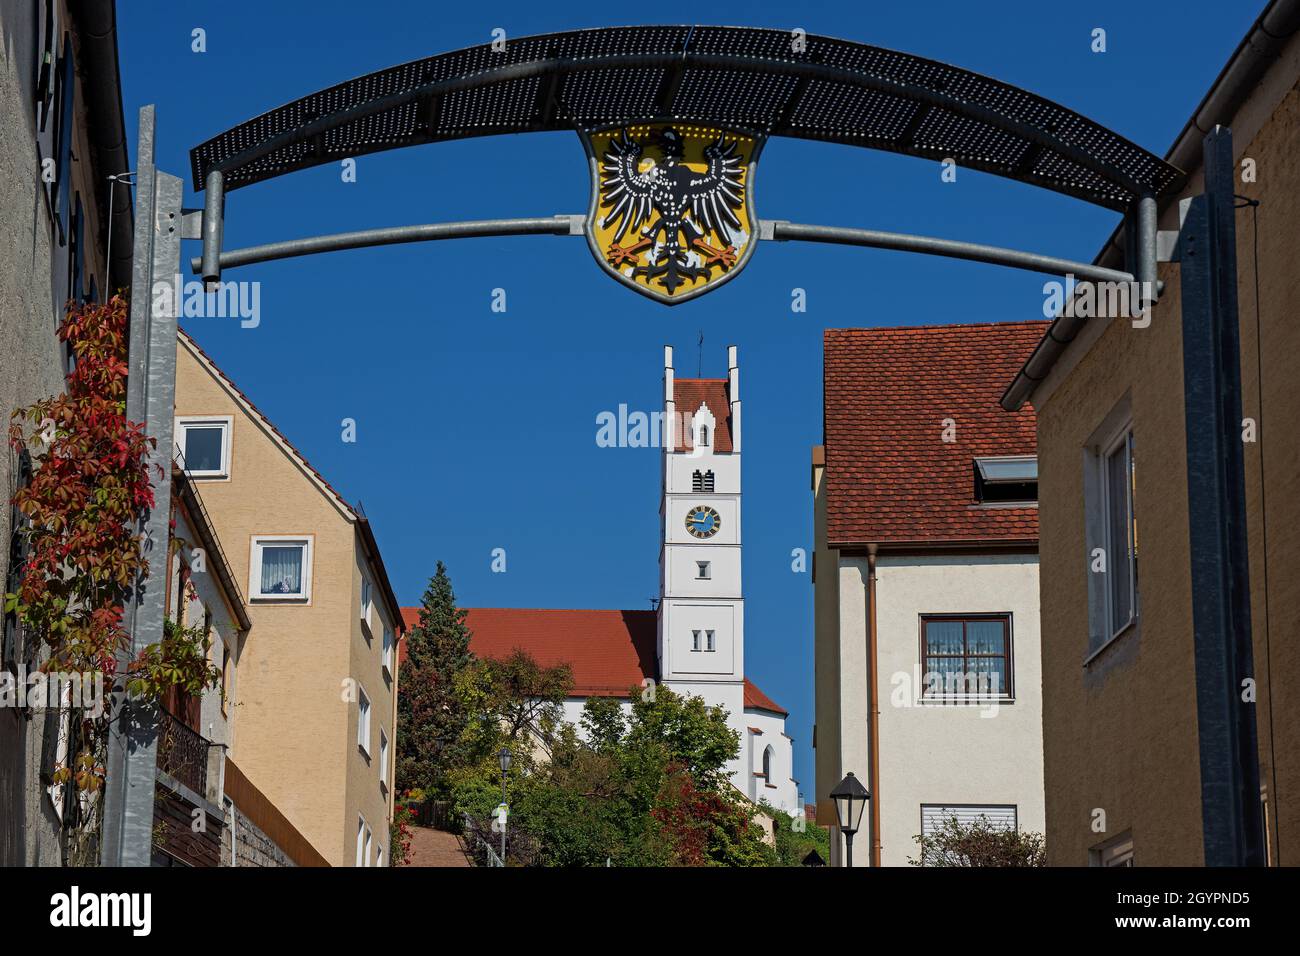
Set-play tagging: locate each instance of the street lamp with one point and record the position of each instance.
(850, 798)
(504, 757)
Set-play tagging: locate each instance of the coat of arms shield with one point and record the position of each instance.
(672, 211)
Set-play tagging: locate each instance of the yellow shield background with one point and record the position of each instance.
(672, 206)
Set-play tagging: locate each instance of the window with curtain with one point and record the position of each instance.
(281, 569)
(966, 656)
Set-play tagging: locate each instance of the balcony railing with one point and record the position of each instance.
(183, 753)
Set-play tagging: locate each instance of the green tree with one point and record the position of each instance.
(796, 839)
(430, 718)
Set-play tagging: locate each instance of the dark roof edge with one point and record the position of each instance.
(96, 28)
(377, 561)
(1256, 52)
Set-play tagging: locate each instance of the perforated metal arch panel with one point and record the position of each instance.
(831, 90)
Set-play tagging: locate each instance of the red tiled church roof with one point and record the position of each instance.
(889, 475)
(755, 699)
(689, 394)
(610, 652)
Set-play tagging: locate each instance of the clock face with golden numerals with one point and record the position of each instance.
(703, 522)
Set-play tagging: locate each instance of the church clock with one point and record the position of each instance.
(703, 522)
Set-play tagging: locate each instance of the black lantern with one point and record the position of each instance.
(850, 798)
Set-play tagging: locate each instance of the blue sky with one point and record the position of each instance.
(476, 429)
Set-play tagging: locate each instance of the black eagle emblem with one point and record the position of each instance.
(691, 207)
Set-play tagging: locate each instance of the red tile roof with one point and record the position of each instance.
(689, 394)
(889, 475)
(610, 652)
(755, 699)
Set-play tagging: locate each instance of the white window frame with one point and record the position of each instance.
(1122, 443)
(710, 644)
(364, 707)
(1115, 430)
(383, 759)
(390, 641)
(225, 423)
(363, 840)
(704, 570)
(1115, 852)
(367, 598)
(255, 566)
(695, 640)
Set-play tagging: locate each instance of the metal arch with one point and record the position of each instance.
(832, 90)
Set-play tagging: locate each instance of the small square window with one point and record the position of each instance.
(704, 573)
(281, 568)
(204, 445)
(966, 657)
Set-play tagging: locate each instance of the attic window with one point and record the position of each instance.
(1011, 479)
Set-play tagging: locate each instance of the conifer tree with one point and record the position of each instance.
(429, 717)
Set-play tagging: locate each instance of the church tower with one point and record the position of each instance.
(701, 611)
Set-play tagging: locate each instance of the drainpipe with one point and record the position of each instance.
(873, 709)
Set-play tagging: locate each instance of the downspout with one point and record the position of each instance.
(873, 709)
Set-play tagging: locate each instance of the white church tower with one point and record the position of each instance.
(701, 606)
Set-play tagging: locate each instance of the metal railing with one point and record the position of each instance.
(183, 753)
(480, 845)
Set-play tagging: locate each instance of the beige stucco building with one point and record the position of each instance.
(1123, 757)
(315, 706)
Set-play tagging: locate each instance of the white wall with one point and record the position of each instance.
(954, 754)
(216, 725)
(780, 790)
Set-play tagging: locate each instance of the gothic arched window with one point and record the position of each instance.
(767, 764)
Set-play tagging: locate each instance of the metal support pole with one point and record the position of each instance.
(1146, 251)
(394, 235)
(151, 389)
(1232, 819)
(504, 812)
(214, 206)
(950, 248)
